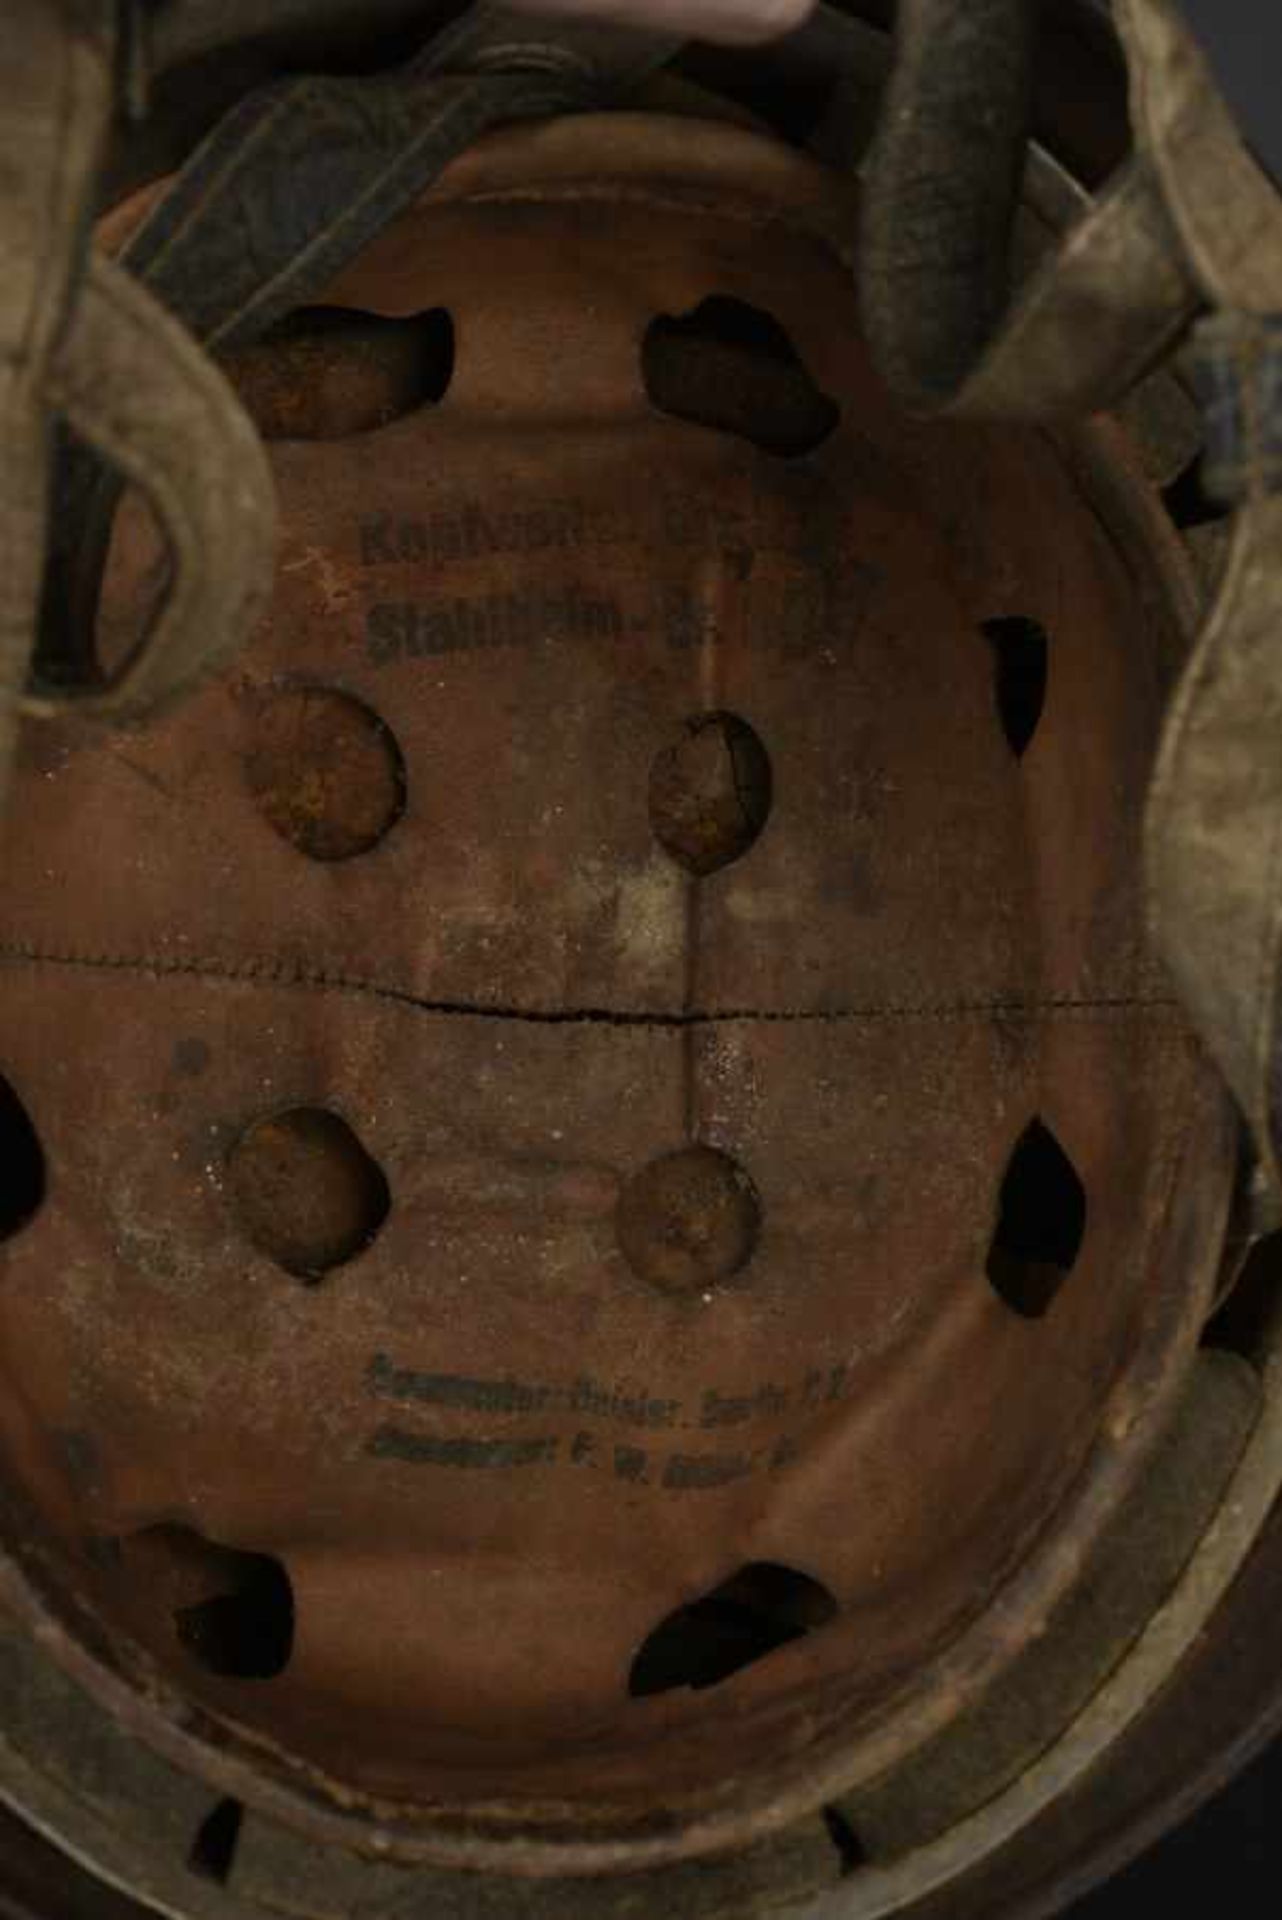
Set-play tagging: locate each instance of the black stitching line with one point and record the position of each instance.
(278, 973)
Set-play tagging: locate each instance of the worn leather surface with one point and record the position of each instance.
(78, 340)
(516, 1000)
(55, 95)
(1215, 819)
(950, 324)
(254, 227)
(1193, 218)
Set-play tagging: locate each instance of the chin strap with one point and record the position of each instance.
(78, 339)
(943, 189)
(1191, 222)
(301, 175)
(291, 185)
(1215, 811)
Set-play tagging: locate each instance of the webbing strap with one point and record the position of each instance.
(935, 261)
(55, 103)
(137, 388)
(300, 176)
(1191, 221)
(1214, 828)
(288, 188)
(77, 337)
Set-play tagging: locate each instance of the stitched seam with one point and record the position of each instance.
(696, 206)
(270, 972)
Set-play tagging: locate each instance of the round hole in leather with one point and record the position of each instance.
(490, 1458)
(324, 769)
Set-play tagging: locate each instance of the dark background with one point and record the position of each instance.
(1244, 40)
(1227, 1860)
(1229, 1857)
